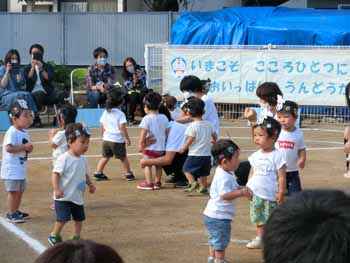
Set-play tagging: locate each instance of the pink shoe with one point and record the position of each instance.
(145, 186)
(157, 186)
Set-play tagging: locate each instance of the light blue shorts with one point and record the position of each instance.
(219, 232)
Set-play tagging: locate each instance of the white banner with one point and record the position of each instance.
(309, 77)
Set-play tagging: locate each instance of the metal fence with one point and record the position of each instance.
(69, 38)
(310, 115)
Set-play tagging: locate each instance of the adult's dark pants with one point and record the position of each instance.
(134, 99)
(175, 168)
(42, 98)
(242, 173)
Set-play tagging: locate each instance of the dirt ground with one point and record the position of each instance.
(157, 226)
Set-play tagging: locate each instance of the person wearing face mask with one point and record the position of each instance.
(101, 77)
(135, 85)
(39, 77)
(12, 82)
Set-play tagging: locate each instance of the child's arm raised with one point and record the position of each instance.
(52, 133)
(122, 128)
(281, 184)
(301, 158)
(56, 187)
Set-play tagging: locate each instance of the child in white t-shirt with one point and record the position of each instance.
(69, 180)
(15, 149)
(198, 134)
(291, 143)
(115, 136)
(220, 209)
(154, 125)
(57, 138)
(268, 178)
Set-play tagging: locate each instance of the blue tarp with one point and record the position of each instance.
(263, 25)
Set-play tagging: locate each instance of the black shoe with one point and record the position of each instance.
(129, 176)
(24, 215)
(181, 184)
(100, 177)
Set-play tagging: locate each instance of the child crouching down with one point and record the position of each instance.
(69, 180)
(224, 189)
(15, 149)
(198, 134)
(268, 180)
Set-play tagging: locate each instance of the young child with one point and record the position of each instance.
(291, 143)
(268, 180)
(270, 95)
(69, 177)
(57, 138)
(15, 149)
(152, 125)
(220, 209)
(198, 134)
(115, 136)
(170, 103)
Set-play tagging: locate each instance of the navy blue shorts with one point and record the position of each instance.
(293, 182)
(198, 166)
(65, 210)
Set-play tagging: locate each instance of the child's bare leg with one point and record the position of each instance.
(260, 230)
(189, 177)
(211, 252)
(57, 228)
(78, 225)
(126, 164)
(203, 181)
(148, 174)
(220, 254)
(158, 174)
(101, 164)
(13, 201)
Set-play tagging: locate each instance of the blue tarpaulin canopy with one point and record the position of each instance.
(263, 25)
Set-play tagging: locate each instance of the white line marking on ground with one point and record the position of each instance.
(32, 243)
(238, 241)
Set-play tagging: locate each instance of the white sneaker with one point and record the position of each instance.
(256, 243)
(211, 260)
(347, 174)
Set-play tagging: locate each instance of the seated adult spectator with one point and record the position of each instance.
(80, 251)
(101, 77)
(39, 76)
(12, 82)
(135, 85)
(311, 226)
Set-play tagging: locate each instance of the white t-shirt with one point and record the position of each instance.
(223, 182)
(202, 132)
(211, 114)
(73, 171)
(265, 166)
(111, 122)
(176, 137)
(14, 165)
(59, 139)
(289, 143)
(156, 125)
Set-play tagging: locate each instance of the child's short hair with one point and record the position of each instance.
(223, 149)
(289, 107)
(272, 126)
(80, 251)
(169, 102)
(268, 92)
(75, 130)
(152, 100)
(195, 107)
(17, 108)
(67, 113)
(311, 226)
(191, 83)
(115, 98)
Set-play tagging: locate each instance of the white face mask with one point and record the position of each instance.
(102, 61)
(14, 61)
(130, 69)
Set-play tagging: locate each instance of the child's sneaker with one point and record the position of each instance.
(100, 177)
(54, 239)
(129, 176)
(211, 260)
(256, 243)
(192, 187)
(145, 186)
(15, 218)
(24, 215)
(202, 190)
(157, 185)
